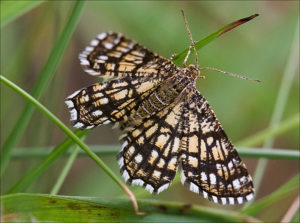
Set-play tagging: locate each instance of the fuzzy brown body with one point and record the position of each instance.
(169, 92)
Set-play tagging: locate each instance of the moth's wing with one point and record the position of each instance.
(113, 55)
(210, 163)
(111, 101)
(149, 155)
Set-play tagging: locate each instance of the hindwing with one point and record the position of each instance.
(210, 163)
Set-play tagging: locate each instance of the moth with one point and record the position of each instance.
(167, 123)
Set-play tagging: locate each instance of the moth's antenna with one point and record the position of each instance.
(196, 56)
(228, 73)
(192, 42)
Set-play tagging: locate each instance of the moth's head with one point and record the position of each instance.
(193, 70)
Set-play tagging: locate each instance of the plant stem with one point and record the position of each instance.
(286, 83)
(112, 150)
(65, 171)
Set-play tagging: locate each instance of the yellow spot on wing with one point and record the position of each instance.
(193, 161)
(161, 163)
(203, 150)
(193, 144)
(156, 174)
(151, 130)
(147, 70)
(167, 149)
(161, 140)
(119, 84)
(136, 133)
(153, 157)
(140, 140)
(98, 87)
(172, 164)
(145, 87)
(120, 95)
(125, 68)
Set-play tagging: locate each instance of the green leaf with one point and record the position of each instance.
(44, 78)
(177, 58)
(39, 207)
(11, 10)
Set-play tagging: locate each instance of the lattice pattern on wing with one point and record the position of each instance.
(107, 102)
(113, 55)
(149, 155)
(167, 122)
(210, 163)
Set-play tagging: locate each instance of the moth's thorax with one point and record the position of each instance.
(192, 71)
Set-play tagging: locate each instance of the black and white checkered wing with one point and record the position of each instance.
(210, 163)
(109, 102)
(149, 155)
(113, 55)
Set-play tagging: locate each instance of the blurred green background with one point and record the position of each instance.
(259, 49)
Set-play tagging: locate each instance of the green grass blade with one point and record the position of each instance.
(71, 135)
(260, 137)
(270, 153)
(286, 84)
(65, 171)
(291, 186)
(112, 150)
(35, 172)
(46, 74)
(47, 208)
(11, 10)
(201, 43)
(296, 218)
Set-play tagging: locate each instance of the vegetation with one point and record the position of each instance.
(40, 42)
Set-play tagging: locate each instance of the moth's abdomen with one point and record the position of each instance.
(161, 98)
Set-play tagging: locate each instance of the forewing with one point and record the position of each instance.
(111, 101)
(113, 55)
(149, 155)
(210, 163)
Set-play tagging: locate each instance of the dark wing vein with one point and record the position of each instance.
(210, 163)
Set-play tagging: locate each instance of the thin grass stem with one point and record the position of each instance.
(113, 150)
(65, 171)
(286, 83)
